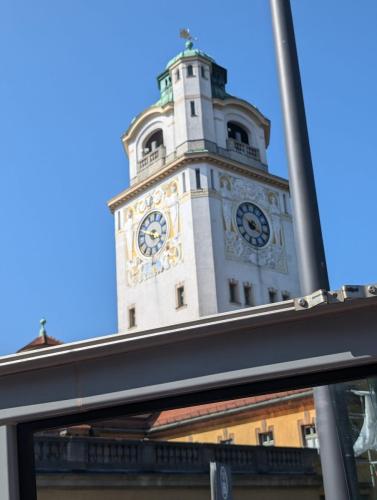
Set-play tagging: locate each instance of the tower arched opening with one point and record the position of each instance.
(154, 141)
(238, 133)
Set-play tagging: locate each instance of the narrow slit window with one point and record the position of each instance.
(119, 221)
(233, 292)
(192, 108)
(184, 182)
(247, 291)
(180, 290)
(212, 179)
(285, 295)
(285, 203)
(272, 295)
(197, 178)
(177, 75)
(131, 317)
(203, 71)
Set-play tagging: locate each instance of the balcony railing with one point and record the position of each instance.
(59, 454)
(243, 149)
(235, 151)
(157, 154)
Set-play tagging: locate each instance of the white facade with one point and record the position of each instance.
(198, 164)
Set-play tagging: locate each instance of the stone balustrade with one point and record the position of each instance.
(59, 454)
(243, 149)
(155, 155)
(235, 150)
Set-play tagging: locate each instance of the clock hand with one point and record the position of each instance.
(154, 234)
(252, 225)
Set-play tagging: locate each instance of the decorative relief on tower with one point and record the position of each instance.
(253, 230)
(153, 233)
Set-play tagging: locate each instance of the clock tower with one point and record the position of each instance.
(204, 227)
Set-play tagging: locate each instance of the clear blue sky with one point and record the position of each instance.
(73, 75)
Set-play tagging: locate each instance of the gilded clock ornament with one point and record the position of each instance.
(252, 224)
(152, 233)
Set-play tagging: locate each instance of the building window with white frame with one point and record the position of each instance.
(266, 438)
(309, 436)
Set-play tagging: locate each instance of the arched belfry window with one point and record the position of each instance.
(237, 133)
(190, 70)
(153, 142)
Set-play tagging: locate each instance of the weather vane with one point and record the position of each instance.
(186, 35)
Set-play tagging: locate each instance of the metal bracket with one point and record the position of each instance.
(347, 292)
(359, 291)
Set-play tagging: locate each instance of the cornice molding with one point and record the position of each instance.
(189, 158)
(140, 119)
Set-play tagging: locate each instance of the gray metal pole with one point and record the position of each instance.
(309, 242)
(8, 463)
(338, 484)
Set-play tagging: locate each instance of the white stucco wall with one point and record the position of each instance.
(194, 88)
(204, 267)
(153, 294)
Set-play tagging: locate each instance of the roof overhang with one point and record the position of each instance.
(213, 353)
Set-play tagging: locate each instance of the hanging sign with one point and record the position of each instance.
(221, 481)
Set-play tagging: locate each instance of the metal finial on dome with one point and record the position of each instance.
(42, 330)
(186, 35)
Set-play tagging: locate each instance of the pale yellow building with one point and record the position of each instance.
(280, 419)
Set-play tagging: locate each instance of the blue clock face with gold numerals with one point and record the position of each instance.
(152, 233)
(252, 224)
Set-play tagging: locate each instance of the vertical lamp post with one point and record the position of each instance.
(337, 462)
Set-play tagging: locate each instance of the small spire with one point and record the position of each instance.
(42, 330)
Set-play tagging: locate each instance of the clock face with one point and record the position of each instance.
(252, 224)
(152, 233)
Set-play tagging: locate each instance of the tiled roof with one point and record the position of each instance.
(40, 342)
(182, 414)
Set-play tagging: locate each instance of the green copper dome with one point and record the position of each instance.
(218, 75)
(189, 52)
